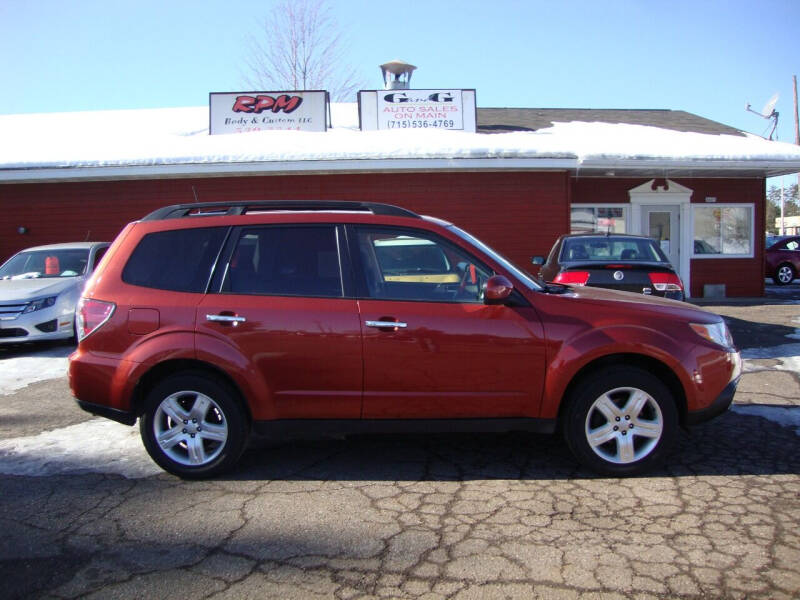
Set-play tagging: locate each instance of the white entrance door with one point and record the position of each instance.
(662, 223)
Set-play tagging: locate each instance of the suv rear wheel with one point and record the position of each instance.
(621, 422)
(193, 426)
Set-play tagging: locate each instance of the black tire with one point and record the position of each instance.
(74, 339)
(213, 432)
(627, 451)
(784, 274)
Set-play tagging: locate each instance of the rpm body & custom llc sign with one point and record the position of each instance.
(243, 112)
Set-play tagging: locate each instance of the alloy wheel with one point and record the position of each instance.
(190, 428)
(624, 425)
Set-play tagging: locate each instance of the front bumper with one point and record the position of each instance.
(52, 323)
(716, 408)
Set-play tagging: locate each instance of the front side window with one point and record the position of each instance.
(417, 266)
(98, 256)
(286, 261)
(180, 260)
(723, 230)
(589, 219)
(790, 245)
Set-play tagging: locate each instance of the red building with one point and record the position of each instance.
(524, 177)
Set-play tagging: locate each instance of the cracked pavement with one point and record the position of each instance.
(423, 517)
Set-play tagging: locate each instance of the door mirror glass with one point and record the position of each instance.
(537, 260)
(498, 289)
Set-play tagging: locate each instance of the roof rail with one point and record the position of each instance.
(207, 209)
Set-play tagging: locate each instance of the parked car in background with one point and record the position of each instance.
(629, 263)
(211, 321)
(782, 259)
(40, 287)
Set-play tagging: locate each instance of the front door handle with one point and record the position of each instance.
(386, 324)
(225, 319)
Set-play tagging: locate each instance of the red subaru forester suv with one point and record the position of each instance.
(211, 321)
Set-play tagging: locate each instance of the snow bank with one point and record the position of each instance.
(96, 446)
(20, 371)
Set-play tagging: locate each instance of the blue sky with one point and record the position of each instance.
(708, 58)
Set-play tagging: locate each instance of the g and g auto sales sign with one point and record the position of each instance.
(417, 109)
(243, 112)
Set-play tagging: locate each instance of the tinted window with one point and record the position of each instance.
(179, 260)
(286, 261)
(414, 265)
(98, 256)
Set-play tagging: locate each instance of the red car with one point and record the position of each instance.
(209, 322)
(783, 260)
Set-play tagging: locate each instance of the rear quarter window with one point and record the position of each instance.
(179, 260)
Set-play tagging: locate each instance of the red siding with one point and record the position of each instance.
(742, 277)
(519, 213)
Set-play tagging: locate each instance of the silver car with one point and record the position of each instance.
(40, 287)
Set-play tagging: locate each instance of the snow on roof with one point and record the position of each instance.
(175, 140)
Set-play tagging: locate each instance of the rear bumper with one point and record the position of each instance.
(120, 416)
(716, 408)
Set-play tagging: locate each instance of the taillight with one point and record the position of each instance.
(572, 277)
(91, 314)
(666, 282)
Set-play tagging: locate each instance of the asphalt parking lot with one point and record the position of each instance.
(85, 514)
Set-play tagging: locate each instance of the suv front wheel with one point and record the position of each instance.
(193, 426)
(621, 422)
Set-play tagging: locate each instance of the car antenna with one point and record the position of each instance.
(194, 191)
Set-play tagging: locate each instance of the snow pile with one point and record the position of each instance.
(21, 371)
(179, 136)
(96, 446)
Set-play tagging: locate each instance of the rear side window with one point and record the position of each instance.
(179, 261)
(286, 261)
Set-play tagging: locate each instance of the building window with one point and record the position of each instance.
(595, 218)
(723, 231)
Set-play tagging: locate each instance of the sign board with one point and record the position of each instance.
(417, 109)
(242, 112)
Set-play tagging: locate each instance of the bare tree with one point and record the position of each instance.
(300, 47)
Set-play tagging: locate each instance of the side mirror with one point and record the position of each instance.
(498, 289)
(537, 260)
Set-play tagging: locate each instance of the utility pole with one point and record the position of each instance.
(796, 121)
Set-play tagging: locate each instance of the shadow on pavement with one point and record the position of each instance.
(749, 334)
(733, 444)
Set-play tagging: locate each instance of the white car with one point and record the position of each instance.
(40, 287)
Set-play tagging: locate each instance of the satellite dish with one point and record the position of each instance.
(768, 112)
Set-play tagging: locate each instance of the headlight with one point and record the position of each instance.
(714, 332)
(40, 304)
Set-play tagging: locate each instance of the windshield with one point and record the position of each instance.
(523, 277)
(33, 264)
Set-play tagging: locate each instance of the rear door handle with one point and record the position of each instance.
(225, 319)
(386, 324)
